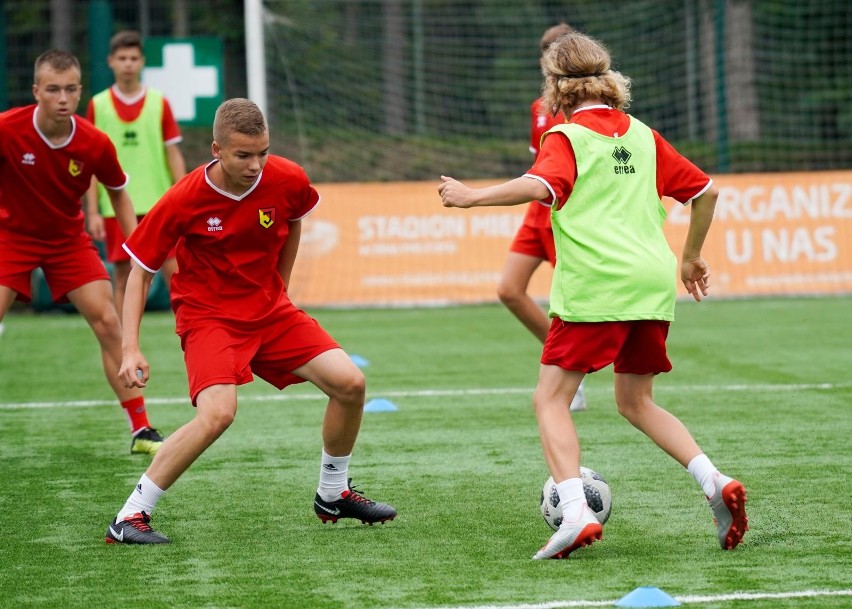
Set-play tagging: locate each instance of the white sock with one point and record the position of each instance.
(702, 469)
(572, 498)
(334, 474)
(143, 499)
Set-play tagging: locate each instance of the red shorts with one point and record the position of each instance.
(220, 354)
(536, 242)
(67, 265)
(635, 347)
(115, 239)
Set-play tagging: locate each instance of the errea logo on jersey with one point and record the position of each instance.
(214, 224)
(28, 159)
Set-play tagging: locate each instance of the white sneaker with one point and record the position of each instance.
(728, 507)
(572, 535)
(2, 327)
(579, 401)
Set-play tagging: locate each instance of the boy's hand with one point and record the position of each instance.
(134, 370)
(454, 193)
(695, 275)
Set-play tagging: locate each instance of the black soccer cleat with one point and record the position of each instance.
(353, 504)
(134, 529)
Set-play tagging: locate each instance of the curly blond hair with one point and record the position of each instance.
(578, 68)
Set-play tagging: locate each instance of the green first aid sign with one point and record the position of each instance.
(189, 73)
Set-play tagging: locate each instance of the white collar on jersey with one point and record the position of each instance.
(47, 140)
(225, 193)
(595, 107)
(128, 100)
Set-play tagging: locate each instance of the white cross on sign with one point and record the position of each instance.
(181, 80)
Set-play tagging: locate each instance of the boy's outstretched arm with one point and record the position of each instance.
(514, 192)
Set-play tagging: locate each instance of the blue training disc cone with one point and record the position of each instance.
(647, 596)
(359, 361)
(380, 405)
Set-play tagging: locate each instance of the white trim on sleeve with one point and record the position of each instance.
(136, 260)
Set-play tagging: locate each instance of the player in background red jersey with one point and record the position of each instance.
(140, 123)
(47, 160)
(236, 222)
(533, 243)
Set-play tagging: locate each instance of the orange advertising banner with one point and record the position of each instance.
(394, 244)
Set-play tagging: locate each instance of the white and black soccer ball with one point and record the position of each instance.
(598, 496)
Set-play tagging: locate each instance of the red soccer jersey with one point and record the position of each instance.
(227, 246)
(42, 182)
(128, 110)
(537, 214)
(677, 177)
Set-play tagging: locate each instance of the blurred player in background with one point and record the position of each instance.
(140, 123)
(47, 161)
(533, 243)
(237, 223)
(613, 293)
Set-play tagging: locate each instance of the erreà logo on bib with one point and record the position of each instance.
(75, 168)
(622, 156)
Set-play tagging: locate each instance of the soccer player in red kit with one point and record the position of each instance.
(47, 160)
(613, 295)
(236, 223)
(533, 243)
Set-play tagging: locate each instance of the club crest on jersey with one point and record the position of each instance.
(266, 216)
(75, 168)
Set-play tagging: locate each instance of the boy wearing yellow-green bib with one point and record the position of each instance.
(140, 123)
(603, 174)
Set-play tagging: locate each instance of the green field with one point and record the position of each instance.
(765, 386)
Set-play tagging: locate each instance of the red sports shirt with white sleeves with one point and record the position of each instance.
(228, 246)
(41, 183)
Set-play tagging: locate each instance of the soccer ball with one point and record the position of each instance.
(598, 496)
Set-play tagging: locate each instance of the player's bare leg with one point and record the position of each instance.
(558, 435)
(561, 448)
(216, 407)
(633, 395)
(7, 297)
(726, 496)
(334, 373)
(512, 291)
(94, 302)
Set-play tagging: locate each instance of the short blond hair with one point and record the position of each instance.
(56, 60)
(238, 115)
(577, 68)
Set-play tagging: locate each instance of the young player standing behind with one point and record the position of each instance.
(47, 160)
(238, 221)
(140, 123)
(533, 243)
(613, 293)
